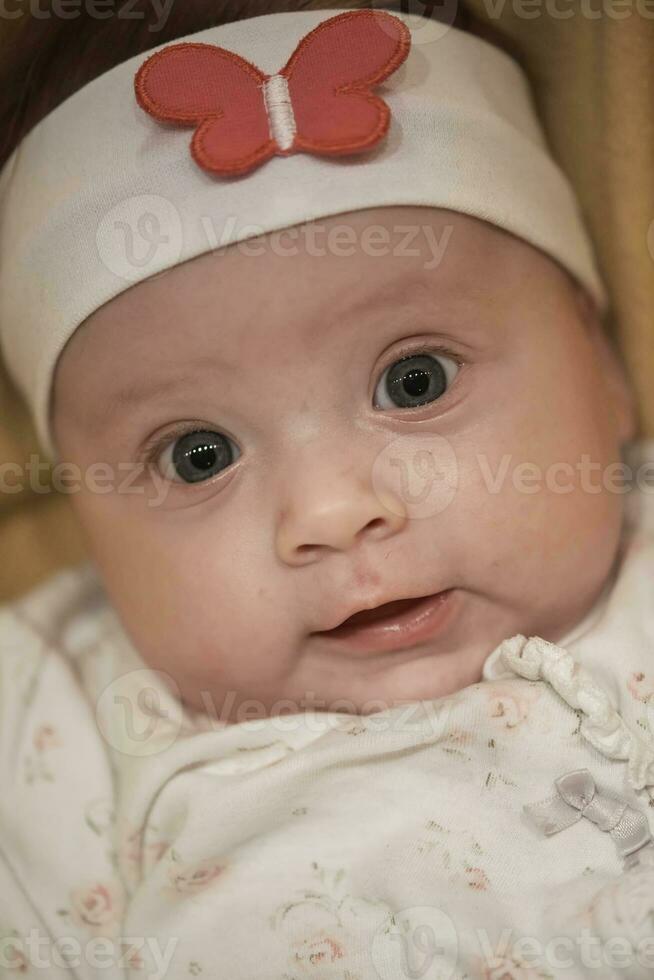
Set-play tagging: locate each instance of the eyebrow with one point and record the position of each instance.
(137, 392)
(393, 289)
(416, 292)
(134, 394)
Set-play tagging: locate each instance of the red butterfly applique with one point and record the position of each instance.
(320, 102)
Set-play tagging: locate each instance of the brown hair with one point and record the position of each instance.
(46, 59)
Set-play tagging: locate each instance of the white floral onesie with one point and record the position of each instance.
(432, 840)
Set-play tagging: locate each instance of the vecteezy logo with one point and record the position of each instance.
(425, 23)
(139, 234)
(133, 716)
(418, 943)
(422, 472)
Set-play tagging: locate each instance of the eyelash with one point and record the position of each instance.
(411, 351)
(155, 446)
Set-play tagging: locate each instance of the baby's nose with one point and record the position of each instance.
(335, 516)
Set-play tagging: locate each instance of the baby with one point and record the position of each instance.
(361, 430)
(291, 445)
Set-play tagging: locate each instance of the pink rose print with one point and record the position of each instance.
(460, 736)
(188, 879)
(477, 879)
(319, 950)
(444, 844)
(98, 907)
(156, 849)
(18, 962)
(508, 968)
(510, 703)
(134, 854)
(15, 959)
(45, 737)
(319, 926)
(134, 958)
(641, 687)
(454, 741)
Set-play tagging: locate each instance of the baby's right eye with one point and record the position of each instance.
(196, 456)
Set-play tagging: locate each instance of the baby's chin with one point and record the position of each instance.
(451, 660)
(428, 675)
(334, 674)
(325, 676)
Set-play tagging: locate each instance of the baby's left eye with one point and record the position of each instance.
(196, 456)
(415, 380)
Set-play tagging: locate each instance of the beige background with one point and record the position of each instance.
(593, 81)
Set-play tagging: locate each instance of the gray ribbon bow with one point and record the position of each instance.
(577, 797)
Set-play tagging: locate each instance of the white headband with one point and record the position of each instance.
(100, 175)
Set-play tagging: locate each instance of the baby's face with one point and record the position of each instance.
(374, 426)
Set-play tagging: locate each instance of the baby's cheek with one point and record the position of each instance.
(517, 515)
(217, 676)
(225, 639)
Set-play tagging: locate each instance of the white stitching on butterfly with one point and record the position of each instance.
(281, 118)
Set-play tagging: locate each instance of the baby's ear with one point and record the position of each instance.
(618, 383)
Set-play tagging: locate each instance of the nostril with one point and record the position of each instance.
(304, 549)
(376, 522)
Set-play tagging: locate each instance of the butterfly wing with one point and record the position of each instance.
(218, 92)
(330, 76)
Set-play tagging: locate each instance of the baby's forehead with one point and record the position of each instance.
(297, 356)
(340, 290)
(398, 249)
(221, 313)
(303, 296)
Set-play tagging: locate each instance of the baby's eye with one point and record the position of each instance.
(415, 380)
(196, 456)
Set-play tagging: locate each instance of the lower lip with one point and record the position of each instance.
(423, 621)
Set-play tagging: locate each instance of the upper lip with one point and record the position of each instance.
(374, 604)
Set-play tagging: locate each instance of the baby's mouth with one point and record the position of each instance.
(399, 624)
(387, 611)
